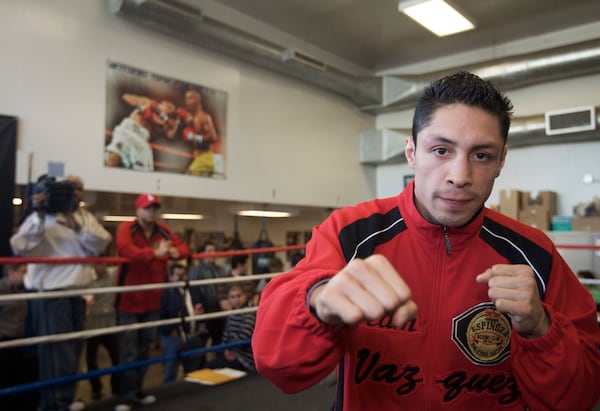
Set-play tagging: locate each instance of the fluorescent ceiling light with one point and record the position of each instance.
(436, 16)
(182, 216)
(264, 213)
(118, 218)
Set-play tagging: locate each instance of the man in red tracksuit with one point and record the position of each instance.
(148, 245)
(429, 300)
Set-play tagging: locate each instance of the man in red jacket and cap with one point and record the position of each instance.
(148, 245)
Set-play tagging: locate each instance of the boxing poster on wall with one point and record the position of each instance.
(158, 123)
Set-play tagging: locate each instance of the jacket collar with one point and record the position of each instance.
(417, 223)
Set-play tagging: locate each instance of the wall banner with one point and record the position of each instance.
(158, 123)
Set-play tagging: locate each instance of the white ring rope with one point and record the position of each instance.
(129, 288)
(127, 327)
(117, 328)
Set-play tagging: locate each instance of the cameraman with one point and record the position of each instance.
(59, 228)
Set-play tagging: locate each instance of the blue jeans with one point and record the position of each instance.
(172, 345)
(134, 346)
(53, 316)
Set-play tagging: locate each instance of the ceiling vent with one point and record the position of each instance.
(573, 120)
(377, 146)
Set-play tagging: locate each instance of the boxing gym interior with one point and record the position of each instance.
(305, 108)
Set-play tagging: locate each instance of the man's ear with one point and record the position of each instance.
(409, 151)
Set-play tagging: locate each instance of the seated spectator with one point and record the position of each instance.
(239, 268)
(238, 327)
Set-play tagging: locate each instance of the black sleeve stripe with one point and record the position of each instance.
(164, 233)
(359, 239)
(518, 250)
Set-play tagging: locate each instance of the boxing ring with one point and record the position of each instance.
(252, 392)
(261, 401)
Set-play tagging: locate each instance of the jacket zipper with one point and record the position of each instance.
(447, 241)
(439, 269)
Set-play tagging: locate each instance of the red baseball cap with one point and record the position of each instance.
(146, 200)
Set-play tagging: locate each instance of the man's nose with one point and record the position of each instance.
(460, 172)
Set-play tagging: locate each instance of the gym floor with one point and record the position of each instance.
(249, 393)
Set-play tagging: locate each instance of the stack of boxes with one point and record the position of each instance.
(510, 203)
(538, 209)
(586, 224)
(534, 208)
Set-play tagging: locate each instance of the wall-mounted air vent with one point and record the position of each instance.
(302, 58)
(571, 120)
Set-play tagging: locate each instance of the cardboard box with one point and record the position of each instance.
(510, 203)
(535, 216)
(540, 199)
(586, 224)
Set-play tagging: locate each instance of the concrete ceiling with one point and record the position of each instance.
(377, 57)
(374, 35)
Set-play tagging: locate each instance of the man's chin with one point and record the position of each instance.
(451, 220)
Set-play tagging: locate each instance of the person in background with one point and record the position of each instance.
(178, 303)
(13, 319)
(208, 295)
(296, 257)
(275, 267)
(149, 245)
(239, 268)
(101, 314)
(430, 300)
(238, 327)
(63, 229)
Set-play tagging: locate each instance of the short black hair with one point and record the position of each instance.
(175, 266)
(238, 260)
(205, 244)
(466, 88)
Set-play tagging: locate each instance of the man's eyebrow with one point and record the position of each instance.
(481, 146)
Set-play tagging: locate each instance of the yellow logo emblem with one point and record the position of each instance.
(483, 334)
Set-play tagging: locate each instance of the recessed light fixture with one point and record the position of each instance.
(182, 216)
(436, 16)
(264, 213)
(16, 201)
(118, 218)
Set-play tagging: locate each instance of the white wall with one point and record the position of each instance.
(558, 167)
(287, 142)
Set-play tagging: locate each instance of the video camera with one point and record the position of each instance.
(59, 196)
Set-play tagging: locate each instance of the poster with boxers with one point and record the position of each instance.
(159, 123)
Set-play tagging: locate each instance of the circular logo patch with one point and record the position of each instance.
(483, 334)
